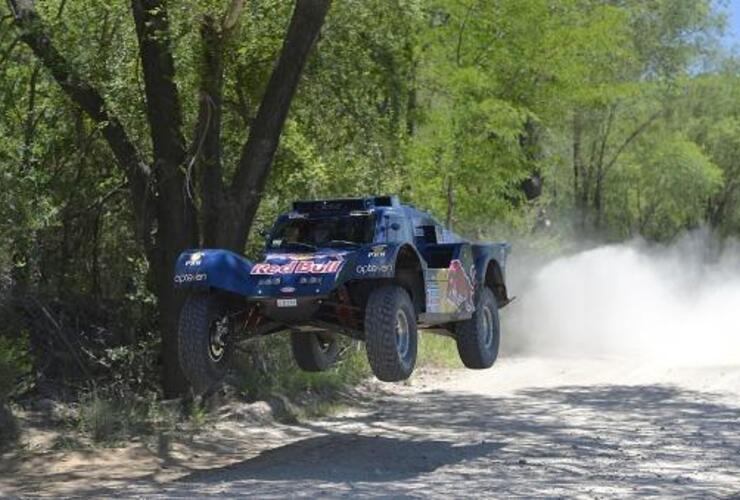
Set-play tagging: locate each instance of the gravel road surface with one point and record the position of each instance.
(527, 427)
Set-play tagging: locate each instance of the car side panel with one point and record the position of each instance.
(484, 253)
(450, 290)
(374, 262)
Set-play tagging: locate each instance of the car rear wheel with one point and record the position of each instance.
(314, 352)
(479, 337)
(204, 341)
(390, 333)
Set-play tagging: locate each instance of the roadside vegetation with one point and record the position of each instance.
(133, 130)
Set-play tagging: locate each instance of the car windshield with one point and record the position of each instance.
(307, 234)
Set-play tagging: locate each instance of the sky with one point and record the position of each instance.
(733, 23)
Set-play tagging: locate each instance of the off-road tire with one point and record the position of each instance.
(313, 353)
(197, 317)
(384, 306)
(478, 349)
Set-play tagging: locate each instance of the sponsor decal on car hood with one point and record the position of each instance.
(288, 263)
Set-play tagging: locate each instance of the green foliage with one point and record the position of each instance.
(269, 369)
(350, 119)
(625, 109)
(709, 112)
(101, 418)
(664, 189)
(14, 366)
(15, 363)
(131, 368)
(436, 351)
(497, 97)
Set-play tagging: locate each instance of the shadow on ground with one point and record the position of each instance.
(349, 458)
(593, 441)
(565, 441)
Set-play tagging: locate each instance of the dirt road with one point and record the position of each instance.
(527, 427)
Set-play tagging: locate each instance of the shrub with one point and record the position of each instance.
(268, 369)
(107, 417)
(8, 426)
(14, 365)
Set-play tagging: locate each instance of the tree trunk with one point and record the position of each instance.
(208, 132)
(529, 142)
(169, 304)
(598, 198)
(177, 228)
(578, 174)
(450, 203)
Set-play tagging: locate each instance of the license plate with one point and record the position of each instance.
(287, 302)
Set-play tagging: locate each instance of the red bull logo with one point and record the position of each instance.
(297, 267)
(460, 288)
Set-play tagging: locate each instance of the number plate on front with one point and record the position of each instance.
(287, 302)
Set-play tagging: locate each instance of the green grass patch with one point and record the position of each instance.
(268, 368)
(437, 351)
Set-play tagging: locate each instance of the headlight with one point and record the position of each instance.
(268, 281)
(309, 280)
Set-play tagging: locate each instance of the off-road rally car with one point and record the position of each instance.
(371, 268)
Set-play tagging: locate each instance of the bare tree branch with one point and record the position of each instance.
(82, 93)
(634, 135)
(264, 135)
(231, 17)
(6, 53)
(461, 32)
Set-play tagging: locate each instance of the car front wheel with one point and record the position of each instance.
(390, 333)
(205, 343)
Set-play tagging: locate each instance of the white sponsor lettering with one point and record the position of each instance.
(195, 259)
(374, 269)
(297, 267)
(190, 277)
(377, 252)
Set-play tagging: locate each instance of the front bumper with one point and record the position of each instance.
(289, 309)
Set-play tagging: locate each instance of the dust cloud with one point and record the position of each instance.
(676, 305)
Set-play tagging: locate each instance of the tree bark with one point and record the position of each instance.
(450, 203)
(529, 142)
(579, 184)
(177, 228)
(207, 144)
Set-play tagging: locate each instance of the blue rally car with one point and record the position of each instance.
(369, 268)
